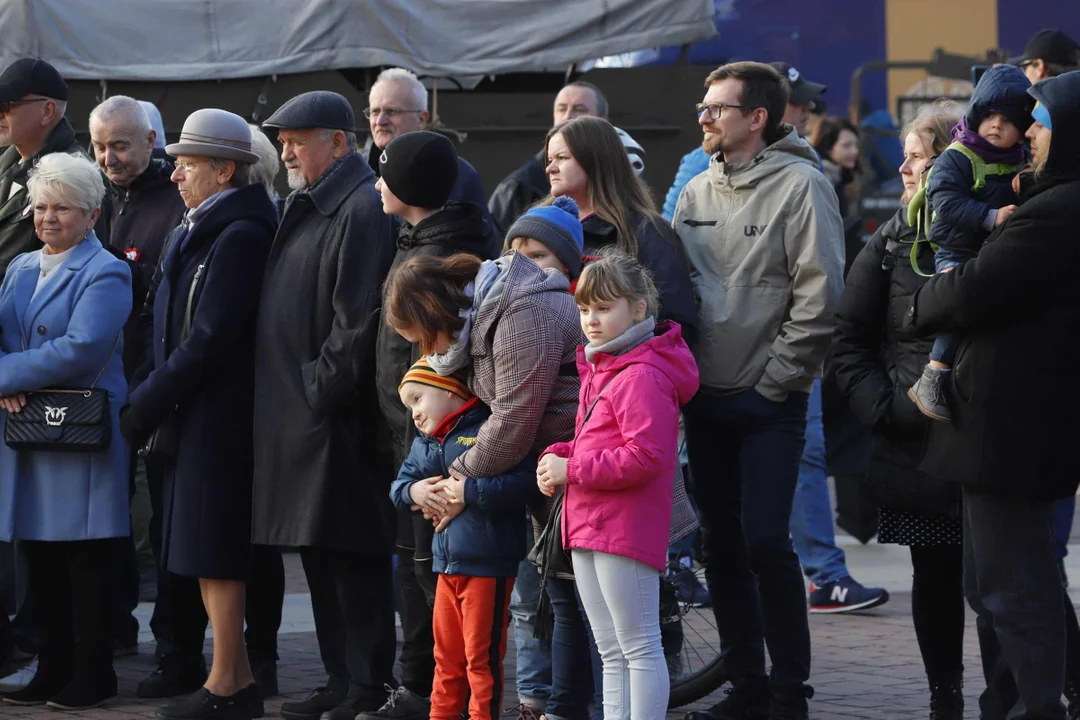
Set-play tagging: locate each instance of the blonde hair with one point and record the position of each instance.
(616, 275)
(934, 124)
(72, 178)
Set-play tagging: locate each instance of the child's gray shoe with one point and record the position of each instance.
(928, 394)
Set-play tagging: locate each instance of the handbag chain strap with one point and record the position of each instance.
(84, 393)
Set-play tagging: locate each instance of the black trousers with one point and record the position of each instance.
(416, 583)
(1012, 583)
(22, 630)
(937, 610)
(73, 605)
(352, 600)
(179, 620)
(744, 462)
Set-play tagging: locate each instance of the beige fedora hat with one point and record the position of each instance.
(211, 132)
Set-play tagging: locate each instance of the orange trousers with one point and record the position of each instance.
(470, 621)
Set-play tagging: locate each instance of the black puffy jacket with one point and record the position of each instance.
(1016, 308)
(457, 228)
(876, 358)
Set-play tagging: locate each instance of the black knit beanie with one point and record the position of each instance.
(420, 168)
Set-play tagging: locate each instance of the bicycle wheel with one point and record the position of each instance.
(690, 637)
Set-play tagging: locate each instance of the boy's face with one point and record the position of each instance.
(539, 253)
(429, 405)
(999, 131)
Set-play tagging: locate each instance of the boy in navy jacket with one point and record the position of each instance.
(479, 541)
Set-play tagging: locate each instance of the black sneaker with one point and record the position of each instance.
(947, 700)
(789, 703)
(403, 704)
(313, 706)
(205, 705)
(350, 707)
(41, 688)
(844, 596)
(1072, 694)
(746, 700)
(177, 675)
(928, 394)
(82, 694)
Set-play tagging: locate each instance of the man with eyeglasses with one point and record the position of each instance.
(33, 99)
(762, 231)
(529, 183)
(1048, 54)
(398, 104)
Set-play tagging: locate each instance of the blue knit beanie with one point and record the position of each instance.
(556, 226)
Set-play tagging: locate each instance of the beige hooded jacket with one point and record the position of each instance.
(766, 247)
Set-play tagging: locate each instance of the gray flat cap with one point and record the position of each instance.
(315, 109)
(211, 132)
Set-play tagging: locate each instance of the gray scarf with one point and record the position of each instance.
(634, 336)
(456, 356)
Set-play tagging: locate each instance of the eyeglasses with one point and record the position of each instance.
(1027, 63)
(187, 166)
(716, 109)
(5, 108)
(389, 112)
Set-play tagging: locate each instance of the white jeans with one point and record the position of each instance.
(622, 600)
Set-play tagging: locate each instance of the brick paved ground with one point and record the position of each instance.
(864, 667)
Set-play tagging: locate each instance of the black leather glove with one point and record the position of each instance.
(132, 427)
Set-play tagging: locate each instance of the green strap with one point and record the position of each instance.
(919, 213)
(980, 168)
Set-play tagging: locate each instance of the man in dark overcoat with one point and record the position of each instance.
(319, 483)
(1015, 308)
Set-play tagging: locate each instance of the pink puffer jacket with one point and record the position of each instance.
(622, 460)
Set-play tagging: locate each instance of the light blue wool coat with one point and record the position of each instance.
(70, 329)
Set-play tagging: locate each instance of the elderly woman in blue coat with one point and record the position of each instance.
(62, 310)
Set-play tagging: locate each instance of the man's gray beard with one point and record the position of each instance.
(297, 181)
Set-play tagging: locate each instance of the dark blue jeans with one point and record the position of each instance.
(571, 661)
(744, 461)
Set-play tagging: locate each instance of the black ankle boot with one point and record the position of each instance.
(947, 699)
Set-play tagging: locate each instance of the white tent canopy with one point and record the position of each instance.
(186, 40)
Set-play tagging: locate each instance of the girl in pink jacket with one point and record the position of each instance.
(618, 474)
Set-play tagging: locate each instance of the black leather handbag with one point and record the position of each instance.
(63, 419)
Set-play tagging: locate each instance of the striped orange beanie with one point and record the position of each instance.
(422, 373)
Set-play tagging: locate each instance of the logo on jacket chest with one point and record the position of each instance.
(754, 230)
(54, 416)
(466, 441)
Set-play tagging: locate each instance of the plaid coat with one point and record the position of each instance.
(523, 346)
